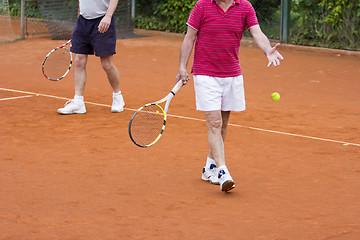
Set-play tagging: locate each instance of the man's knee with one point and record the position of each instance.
(107, 64)
(80, 62)
(215, 124)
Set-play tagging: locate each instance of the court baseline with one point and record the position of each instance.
(190, 118)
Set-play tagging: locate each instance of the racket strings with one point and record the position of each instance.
(57, 63)
(147, 125)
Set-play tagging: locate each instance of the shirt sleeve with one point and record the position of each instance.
(194, 20)
(251, 19)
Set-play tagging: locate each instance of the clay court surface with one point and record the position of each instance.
(296, 162)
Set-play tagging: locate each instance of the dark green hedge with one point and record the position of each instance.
(171, 15)
(328, 23)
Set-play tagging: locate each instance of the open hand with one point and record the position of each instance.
(274, 56)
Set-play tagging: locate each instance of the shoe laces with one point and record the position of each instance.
(72, 102)
(117, 100)
(69, 102)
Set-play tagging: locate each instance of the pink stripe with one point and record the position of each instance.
(219, 35)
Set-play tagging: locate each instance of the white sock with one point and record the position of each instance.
(116, 94)
(210, 161)
(78, 99)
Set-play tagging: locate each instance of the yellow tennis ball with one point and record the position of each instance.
(275, 96)
(157, 112)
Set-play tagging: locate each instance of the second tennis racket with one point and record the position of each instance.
(57, 63)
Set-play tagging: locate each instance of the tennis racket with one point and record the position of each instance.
(148, 123)
(57, 63)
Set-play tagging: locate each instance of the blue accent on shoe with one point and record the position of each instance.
(212, 166)
(221, 172)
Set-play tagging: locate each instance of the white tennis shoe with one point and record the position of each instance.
(210, 174)
(73, 107)
(226, 181)
(118, 103)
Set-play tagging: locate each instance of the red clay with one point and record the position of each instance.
(80, 177)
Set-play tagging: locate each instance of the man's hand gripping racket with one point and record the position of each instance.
(57, 63)
(148, 123)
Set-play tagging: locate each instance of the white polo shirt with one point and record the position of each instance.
(91, 9)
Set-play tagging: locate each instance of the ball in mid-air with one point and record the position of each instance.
(157, 112)
(275, 96)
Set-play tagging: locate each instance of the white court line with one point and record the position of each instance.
(4, 99)
(202, 120)
(277, 132)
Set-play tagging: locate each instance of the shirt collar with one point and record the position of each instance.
(236, 1)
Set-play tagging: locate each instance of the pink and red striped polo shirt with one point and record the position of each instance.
(219, 35)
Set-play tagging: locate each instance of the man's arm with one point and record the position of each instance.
(105, 22)
(185, 52)
(264, 44)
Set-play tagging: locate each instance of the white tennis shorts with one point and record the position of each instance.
(214, 93)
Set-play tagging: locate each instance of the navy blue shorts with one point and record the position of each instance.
(86, 38)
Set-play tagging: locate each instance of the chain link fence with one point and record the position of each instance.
(56, 18)
(325, 23)
(6, 29)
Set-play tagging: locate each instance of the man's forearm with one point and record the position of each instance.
(112, 7)
(187, 47)
(261, 39)
(185, 52)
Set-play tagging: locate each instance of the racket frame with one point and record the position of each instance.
(164, 110)
(47, 56)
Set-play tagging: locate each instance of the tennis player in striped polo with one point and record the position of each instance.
(216, 28)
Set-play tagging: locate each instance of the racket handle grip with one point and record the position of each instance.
(177, 87)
